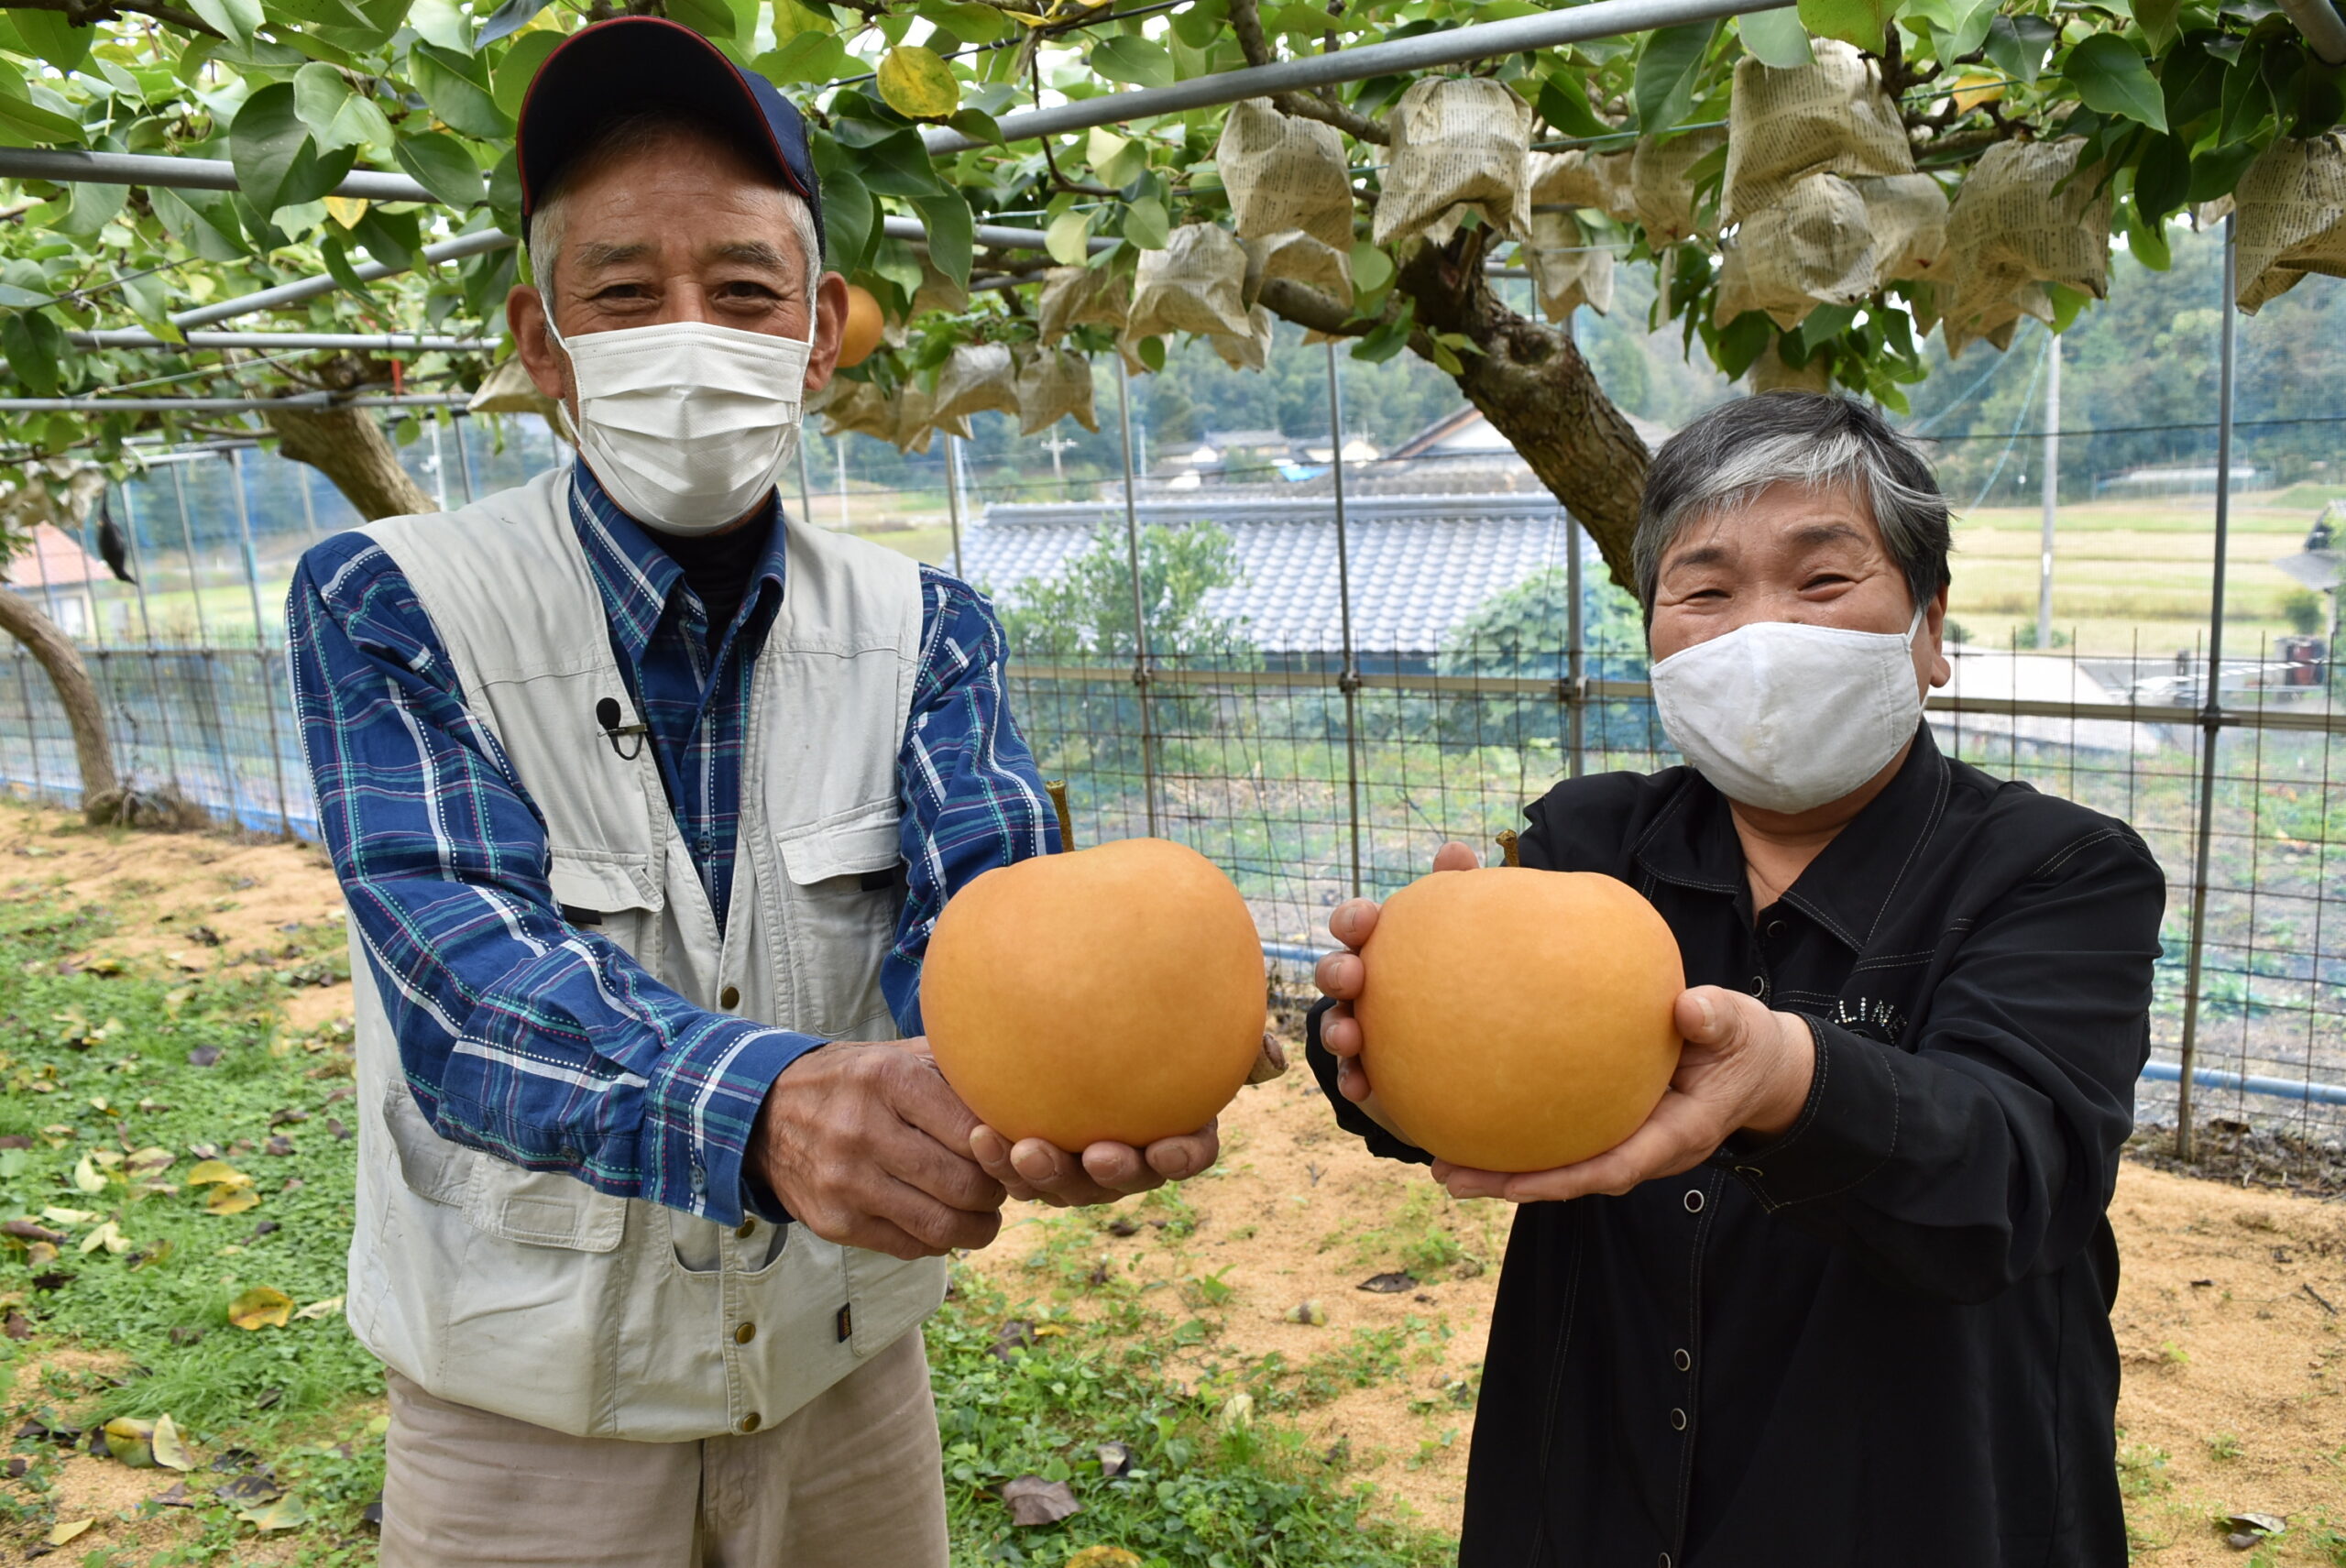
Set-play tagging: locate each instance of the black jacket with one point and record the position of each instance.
(1884, 1338)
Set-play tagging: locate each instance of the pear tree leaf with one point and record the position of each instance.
(1067, 238)
(1137, 61)
(1663, 89)
(1777, 38)
(440, 165)
(448, 83)
(1858, 22)
(952, 234)
(1146, 225)
(237, 19)
(918, 83)
(2112, 76)
(338, 117)
(262, 1306)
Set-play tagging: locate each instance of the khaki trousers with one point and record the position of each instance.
(854, 1480)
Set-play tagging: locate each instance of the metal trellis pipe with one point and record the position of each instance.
(1454, 46)
(1349, 681)
(953, 495)
(225, 405)
(326, 284)
(374, 342)
(1575, 654)
(1140, 617)
(2211, 701)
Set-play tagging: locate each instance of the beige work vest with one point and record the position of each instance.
(528, 1293)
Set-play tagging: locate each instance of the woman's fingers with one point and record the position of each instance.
(1340, 975)
(1352, 921)
(1340, 1031)
(1456, 857)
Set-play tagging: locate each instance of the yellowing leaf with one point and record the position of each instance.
(86, 1178)
(66, 1530)
(918, 83)
(225, 1200)
(40, 1254)
(171, 1448)
(132, 1442)
(330, 1305)
(67, 1216)
(1975, 88)
(148, 1162)
(283, 1514)
(109, 1236)
(1067, 238)
(262, 1306)
(346, 210)
(219, 1170)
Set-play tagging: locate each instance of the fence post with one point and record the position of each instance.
(203, 640)
(260, 643)
(1575, 657)
(147, 631)
(32, 727)
(1348, 679)
(2051, 496)
(2211, 709)
(464, 455)
(1140, 617)
(953, 496)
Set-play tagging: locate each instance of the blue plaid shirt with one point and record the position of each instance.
(521, 1034)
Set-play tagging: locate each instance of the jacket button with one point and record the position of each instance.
(1662, 1562)
(1775, 928)
(746, 1229)
(745, 1333)
(1677, 1421)
(1681, 1360)
(1694, 1200)
(1759, 985)
(730, 998)
(748, 1423)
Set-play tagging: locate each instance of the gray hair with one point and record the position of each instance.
(1814, 440)
(625, 138)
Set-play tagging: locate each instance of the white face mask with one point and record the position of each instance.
(687, 425)
(1786, 717)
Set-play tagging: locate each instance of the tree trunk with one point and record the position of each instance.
(21, 620)
(1529, 380)
(350, 449)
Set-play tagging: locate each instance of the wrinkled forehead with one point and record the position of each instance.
(1774, 524)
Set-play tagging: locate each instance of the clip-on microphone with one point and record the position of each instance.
(606, 719)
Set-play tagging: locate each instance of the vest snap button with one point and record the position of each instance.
(745, 1333)
(1694, 1200)
(746, 1229)
(730, 998)
(749, 1423)
(1683, 1362)
(1677, 1421)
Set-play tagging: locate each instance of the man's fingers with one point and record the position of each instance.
(937, 1227)
(1352, 921)
(1351, 1080)
(1340, 975)
(1456, 857)
(1180, 1158)
(921, 1098)
(1340, 1031)
(1712, 1017)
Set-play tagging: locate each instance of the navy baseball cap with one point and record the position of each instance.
(632, 64)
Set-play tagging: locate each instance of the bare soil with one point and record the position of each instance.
(2231, 1316)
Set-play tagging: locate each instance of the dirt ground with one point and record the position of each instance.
(2229, 1317)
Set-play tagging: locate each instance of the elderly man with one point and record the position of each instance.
(644, 801)
(1843, 1299)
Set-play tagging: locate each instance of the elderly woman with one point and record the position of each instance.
(1845, 1298)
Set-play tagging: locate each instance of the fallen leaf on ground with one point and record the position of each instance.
(262, 1306)
(1103, 1557)
(27, 1231)
(321, 1309)
(86, 1178)
(1310, 1313)
(131, 1441)
(1115, 1458)
(231, 1200)
(171, 1448)
(67, 1217)
(18, 1326)
(260, 1486)
(204, 1055)
(280, 1145)
(211, 1171)
(179, 1496)
(65, 1530)
(147, 1162)
(1391, 1284)
(1034, 1500)
(283, 1514)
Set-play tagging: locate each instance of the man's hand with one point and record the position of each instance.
(1341, 977)
(1745, 1069)
(865, 1145)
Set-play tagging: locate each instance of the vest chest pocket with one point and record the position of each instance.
(847, 891)
(613, 896)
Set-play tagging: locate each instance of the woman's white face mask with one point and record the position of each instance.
(687, 425)
(1787, 716)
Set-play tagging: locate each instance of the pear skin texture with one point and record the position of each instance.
(1115, 992)
(1519, 1020)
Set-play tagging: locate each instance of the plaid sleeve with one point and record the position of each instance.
(972, 798)
(520, 1034)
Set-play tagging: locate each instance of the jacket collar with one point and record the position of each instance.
(1845, 890)
(635, 576)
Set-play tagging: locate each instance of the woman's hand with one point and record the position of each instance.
(1342, 976)
(1744, 1068)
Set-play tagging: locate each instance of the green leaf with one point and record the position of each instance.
(48, 35)
(447, 82)
(1777, 38)
(1742, 341)
(1068, 238)
(1136, 61)
(1152, 353)
(442, 166)
(1858, 22)
(336, 257)
(2017, 46)
(511, 77)
(709, 18)
(848, 208)
(1564, 103)
(2217, 171)
(1959, 26)
(22, 120)
(392, 237)
(808, 57)
(90, 208)
(1371, 268)
(1664, 86)
(237, 19)
(2163, 176)
(508, 18)
(2146, 238)
(203, 221)
(951, 234)
(2158, 18)
(1199, 25)
(34, 344)
(899, 165)
(1146, 225)
(918, 83)
(265, 141)
(977, 125)
(337, 116)
(2111, 75)
(2067, 304)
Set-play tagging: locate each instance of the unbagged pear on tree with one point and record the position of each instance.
(1115, 992)
(1514, 1019)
